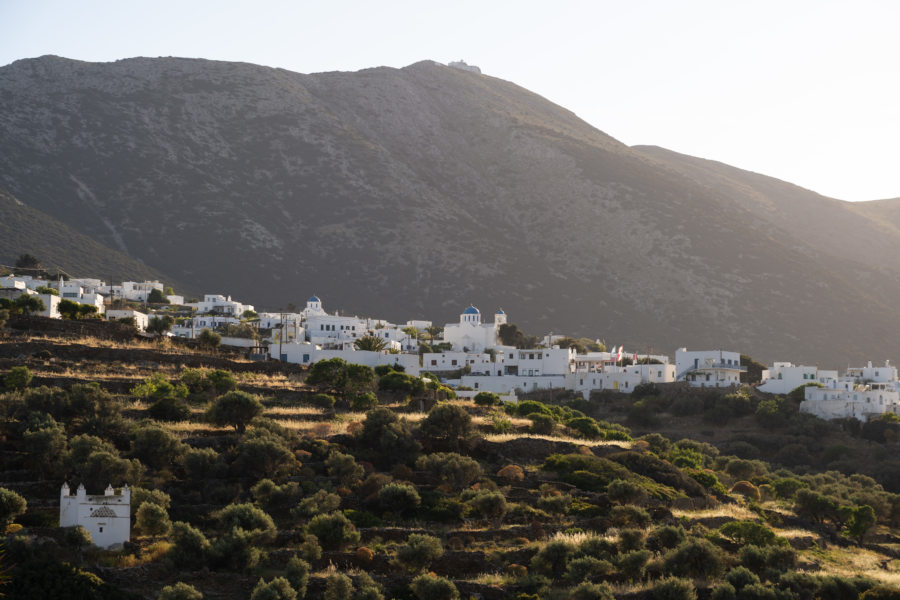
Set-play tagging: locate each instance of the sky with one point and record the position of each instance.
(805, 91)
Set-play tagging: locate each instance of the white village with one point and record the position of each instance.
(472, 358)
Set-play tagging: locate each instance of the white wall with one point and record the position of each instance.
(306, 354)
(107, 518)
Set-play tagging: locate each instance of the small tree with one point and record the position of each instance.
(399, 498)
(432, 587)
(862, 519)
(419, 552)
(277, 589)
(236, 409)
(159, 326)
(487, 399)
(334, 531)
(78, 538)
(338, 587)
(156, 297)
(153, 519)
(209, 339)
(371, 343)
(491, 506)
(11, 505)
(28, 304)
(18, 378)
(297, 573)
(179, 591)
(344, 468)
(448, 425)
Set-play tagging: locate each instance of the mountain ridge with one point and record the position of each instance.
(409, 193)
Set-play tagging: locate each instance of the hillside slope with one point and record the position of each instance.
(26, 230)
(408, 193)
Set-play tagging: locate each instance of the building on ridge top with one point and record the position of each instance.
(470, 334)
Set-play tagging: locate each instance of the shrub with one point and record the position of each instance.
(179, 591)
(723, 591)
(333, 531)
(491, 506)
(236, 409)
(338, 587)
(553, 558)
(249, 518)
(748, 532)
(557, 504)
(631, 539)
(364, 555)
(18, 378)
(487, 399)
(399, 498)
(234, 551)
(762, 559)
(364, 401)
(633, 564)
(511, 473)
(673, 588)
(344, 468)
(625, 492)
(297, 573)
(630, 516)
(325, 401)
(432, 587)
(153, 519)
(665, 537)
(747, 490)
(585, 427)
(588, 568)
(741, 576)
(419, 551)
(695, 557)
(11, 505)
(320, 502)
(450, 467)
(190, 547)
(447, 425)
(169, 409)
(277, 589)
(541, 423)
(592, 591)
(390, 438)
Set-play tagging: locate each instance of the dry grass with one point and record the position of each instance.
(186, 427)
(506, 437)
(734, 511)
(851, 561)
(293, 411)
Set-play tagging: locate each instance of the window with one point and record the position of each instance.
(433, 362)
(453, 362)
(100, 529)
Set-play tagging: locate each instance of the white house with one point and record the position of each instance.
(107, 518)
(784, 377)
(137, 291)
(478, 363)
(708, 368)
(525, 370)
(470, 334)
(842, 399)
(222, 305)
(141, 320)
(305, 353)
(619, 378)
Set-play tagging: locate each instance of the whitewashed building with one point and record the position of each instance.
(470, 334)
(784, 377)
(708, 368)
(305, 353)
(141, 320)
(844, 399)
(221, 305)
(478, 363)
(107, 518)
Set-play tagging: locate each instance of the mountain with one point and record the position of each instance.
(409, 193)
(26, 230)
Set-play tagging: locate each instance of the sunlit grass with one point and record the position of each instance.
(293, 411)
(734, 511)
(852, 561)
(506, 437)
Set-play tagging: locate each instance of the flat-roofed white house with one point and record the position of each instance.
(844, 399)
(107, 517)
(708, 368)
(784, 377)
(141, 320)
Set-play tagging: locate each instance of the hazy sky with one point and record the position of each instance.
(806, 91)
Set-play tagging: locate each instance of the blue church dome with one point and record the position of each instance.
(314, 299)
(471, 311)
(500, 311)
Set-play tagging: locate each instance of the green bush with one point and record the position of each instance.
(418, 552)
(18, 378)
(541, 424)
(334, 531)
(190, 547)
(553, 559)
(388, 438)
(338, 587)
(169, 409)
(491, 506)
(447, 426)
(364, 401)
(344, 468)
(12, 505)
(278, 588)
(695, 557)
(401, 499)
(297, 573)
(748, 532)
(432, 587)
(153, 519)
(592, 591)
(325, 401)
(588, 568)
(487, 399)
(632, 564)
(179, 591)
(249, 518)
(450, 467)
(236, 409)
(673, 588)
